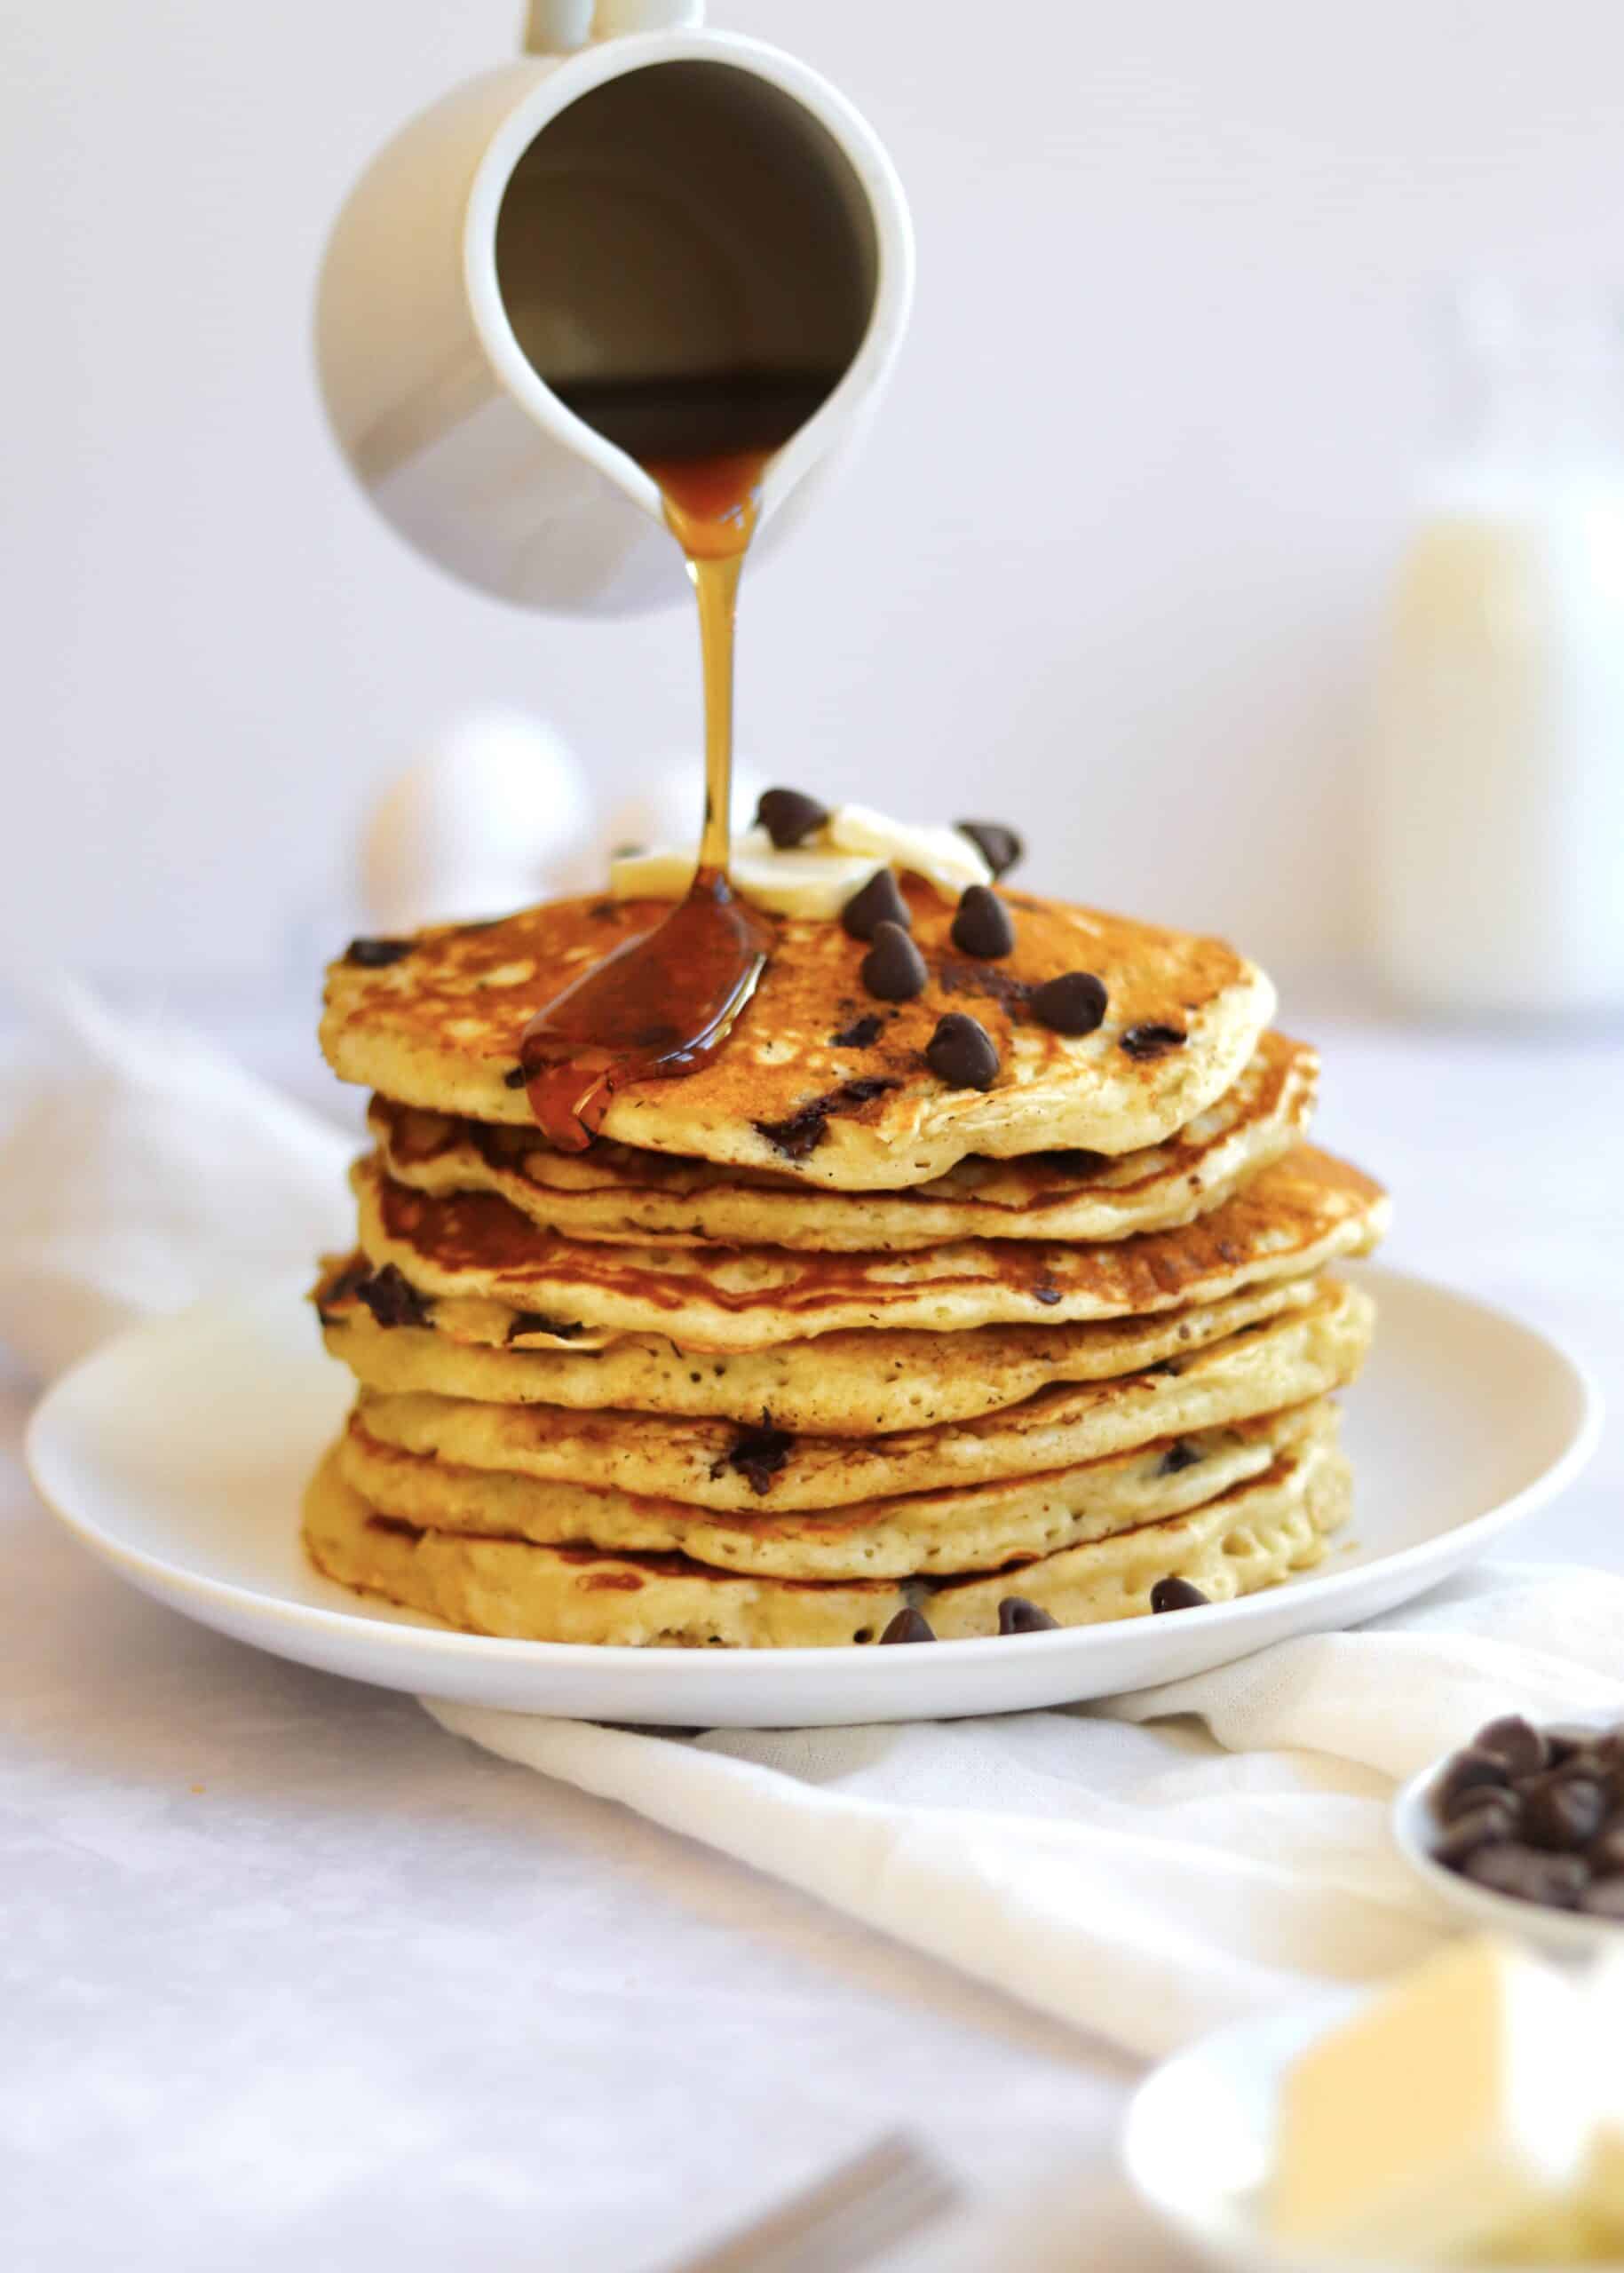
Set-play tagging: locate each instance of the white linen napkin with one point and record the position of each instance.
(140, 1166)
(1144, 1868)
(1149, 1867)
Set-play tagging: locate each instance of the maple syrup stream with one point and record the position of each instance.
(664, 1002)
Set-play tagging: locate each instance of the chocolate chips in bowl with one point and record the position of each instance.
(1526, 1823)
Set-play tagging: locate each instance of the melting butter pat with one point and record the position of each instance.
(940, 855)
(815, 878)
(807, 880)
(1450, 2112)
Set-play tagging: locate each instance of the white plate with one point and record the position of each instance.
(1199, 2135)
(179, 1451)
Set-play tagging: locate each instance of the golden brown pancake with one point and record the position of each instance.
(852, 1385)
(791, 1090)
(613, 1194)
(713, 1465)
(1295, 1216)
(931, 1534)
(1249, 1537)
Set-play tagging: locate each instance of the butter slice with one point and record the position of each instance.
(807, 880)
(1452, 2111)
(946, 861)
(815, 878)
(1602, 2189)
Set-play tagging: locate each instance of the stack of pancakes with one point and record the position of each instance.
(811, 1341)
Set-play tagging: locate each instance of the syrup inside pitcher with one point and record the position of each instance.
(687, 262)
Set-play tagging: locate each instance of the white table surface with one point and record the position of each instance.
(290, 1979)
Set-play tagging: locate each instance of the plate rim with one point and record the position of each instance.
(155, 1573)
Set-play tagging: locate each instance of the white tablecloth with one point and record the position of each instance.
(289, 1979)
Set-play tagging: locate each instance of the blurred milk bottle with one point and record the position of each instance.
(1498, 763)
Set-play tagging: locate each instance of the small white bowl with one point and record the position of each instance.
(1199, 2139)
(1564, 1933)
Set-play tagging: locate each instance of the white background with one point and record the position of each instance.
(1111, 565)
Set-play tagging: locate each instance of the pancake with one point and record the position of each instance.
(440, 1028)
(979, 1528)
(855, 1385)
(613, 1194)
(713, 1465)
(1295, 1217)
(1249, 1537)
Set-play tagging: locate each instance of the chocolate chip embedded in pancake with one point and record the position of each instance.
(440, 1028)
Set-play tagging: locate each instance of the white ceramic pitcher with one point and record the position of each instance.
(635, 195)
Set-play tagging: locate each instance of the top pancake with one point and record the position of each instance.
(440, 1028)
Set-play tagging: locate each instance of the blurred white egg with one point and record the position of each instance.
(495, 816)
(666, 808)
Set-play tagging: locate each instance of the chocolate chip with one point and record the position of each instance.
(1554, 1880)
(801, 1132)
(789, 816)
(1073, 1003)
(893, 967)
(1564, 1740)
(332, 1296)
(1046, 1292)
(1605, 1899)
(961, 1052)
(982, 925)
(1180, 1455)
(1074, 1160)
(1177, 1593)
(760, 1454)
(1000, 847)
(909, 1626)
(1561, 1812)
(1466, 1773)
(514, 1078)
(1606, 1857)
(374, 955)
(879, 901)
(1484, 1825)
(1515, 1743)
(861, 1034)
(539, 1322)
(1016, 1615)
(391, 1298)
(1153, 1040)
